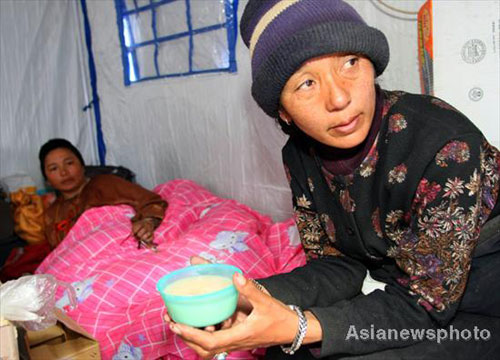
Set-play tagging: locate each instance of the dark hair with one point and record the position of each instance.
(53, 144)
(289, 129)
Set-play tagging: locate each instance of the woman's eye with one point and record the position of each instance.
(306, 84)
(352, 61)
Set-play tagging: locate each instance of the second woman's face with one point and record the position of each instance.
(64, 171)
(332, 99)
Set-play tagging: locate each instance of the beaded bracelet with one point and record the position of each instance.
(301, 332)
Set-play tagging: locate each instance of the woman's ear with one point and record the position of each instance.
(284, 116)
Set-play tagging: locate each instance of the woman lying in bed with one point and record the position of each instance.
(115, 283)
(62, 167)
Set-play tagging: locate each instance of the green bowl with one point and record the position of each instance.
(205, 309)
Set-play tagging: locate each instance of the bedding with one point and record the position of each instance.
(115, 282)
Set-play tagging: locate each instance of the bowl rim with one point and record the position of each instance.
(181, 298)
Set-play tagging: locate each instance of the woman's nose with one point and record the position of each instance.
(337, 95)
(63, 171)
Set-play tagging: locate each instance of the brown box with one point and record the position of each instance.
(65, 340)
(8, 341)
(52, 335)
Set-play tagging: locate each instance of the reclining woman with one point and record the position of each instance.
(396, 184)
(63, 168)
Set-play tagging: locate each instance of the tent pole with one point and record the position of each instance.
(101, 146)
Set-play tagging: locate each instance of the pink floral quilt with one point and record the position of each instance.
(115, 282)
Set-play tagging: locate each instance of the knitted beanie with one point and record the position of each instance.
(53, 144)
(283, 34)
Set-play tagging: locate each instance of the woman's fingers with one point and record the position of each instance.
(147, 236)
(270, 323)
(197, 338)
(234, 332)
(140, 232)
(202, 353)
(143, 230)
(207, 343)
(176, 328)
(197, 260)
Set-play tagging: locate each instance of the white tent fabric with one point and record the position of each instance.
(467, 60)
(44, 82)
(207, 128)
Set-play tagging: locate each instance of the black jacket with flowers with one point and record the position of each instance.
(411, 213)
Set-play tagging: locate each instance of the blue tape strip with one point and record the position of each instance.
(119, 5)
(231, 8)
(101, 146)
(148, 7)
(153, 26)
(190, 32)
(194, 72)
(179, 35)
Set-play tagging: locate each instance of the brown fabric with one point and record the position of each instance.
(28, 215)
(101, 190)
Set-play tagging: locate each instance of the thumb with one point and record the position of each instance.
(197, 260)
(248, 289)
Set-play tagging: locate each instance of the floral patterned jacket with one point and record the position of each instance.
(411, 213)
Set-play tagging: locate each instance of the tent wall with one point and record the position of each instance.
(208, 128)
(467, 60)
(43, 87)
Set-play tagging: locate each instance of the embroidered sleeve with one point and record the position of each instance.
(453, 200)
(317, 231)
(327, 278)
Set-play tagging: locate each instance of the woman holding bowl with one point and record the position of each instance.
(399, 186)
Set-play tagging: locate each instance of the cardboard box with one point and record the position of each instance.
(65, 340)
(8, 341)
(52, 335)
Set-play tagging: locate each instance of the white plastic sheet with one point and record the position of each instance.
(43, 87)
(467, 60)
(29, 301)
(208, 128)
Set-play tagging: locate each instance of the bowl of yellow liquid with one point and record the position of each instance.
(200, 295)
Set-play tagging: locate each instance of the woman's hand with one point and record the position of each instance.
(259, 321)
(198, 260)
(143, 230)
(242, 310)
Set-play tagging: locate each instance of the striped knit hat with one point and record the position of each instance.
(283, 34)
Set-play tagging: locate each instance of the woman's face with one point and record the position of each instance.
(64, 171)
(332, 99)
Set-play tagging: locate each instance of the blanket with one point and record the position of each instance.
(114, 281)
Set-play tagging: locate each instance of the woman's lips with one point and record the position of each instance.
(347, 127)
